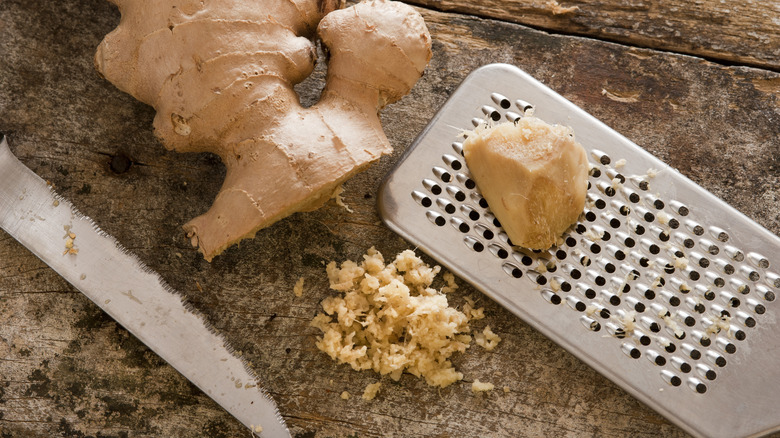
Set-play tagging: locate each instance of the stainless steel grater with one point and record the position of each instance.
(661, 286)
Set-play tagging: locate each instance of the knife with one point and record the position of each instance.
(131, 293)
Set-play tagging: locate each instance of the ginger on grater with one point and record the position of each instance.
(533, 176)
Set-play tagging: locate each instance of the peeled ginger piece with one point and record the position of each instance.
(533, 176)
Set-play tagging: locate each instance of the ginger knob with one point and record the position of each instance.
(533, 176)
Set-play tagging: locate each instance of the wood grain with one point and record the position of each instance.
(67, 370)
(729, 31)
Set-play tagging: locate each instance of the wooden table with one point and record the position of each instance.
(694, 82)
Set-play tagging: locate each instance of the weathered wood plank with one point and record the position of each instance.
(731, 31)
(67, 370)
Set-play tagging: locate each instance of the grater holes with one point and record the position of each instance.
(654, 201)
(640, 259)
(757, 307)
(551, 297)
(638, 228)
(457, 147)
(467, 182)
(432, 186)
(476, 121)
(691, 351)
(573, 272)
(576, 304)
(724, 266)
(725, 345)
(456, 193)
(446, 205)
(615, 177)
(631, 195)
(640, 182)
(513, 116)
(681, 365)
(750, 273)
(650, 324)
(656, 358)
(697, 385)
(612, 220)
(590, 323)
(470, 212)
(758, 260)
(491, 113)
(460, 225)
(436, 218)
(650, 246)
(635, 304)
(621, 285)
(452, 162)
(679, 207)
(709, 246)
(422, 199)
(730, 300)
(773, 279)
(482, 202)
(601, 157)
(484, 231)
(715, 358)
(513, 270)
(734, 253)
(706, 372)
(501, 100)
(523, 105)
(699, 259)
(719, 234)
(498, 251)
(538, 278)
(745, 319)
(474, 244)
(606, 266)
(631, 350)
(671, 378)
(442, 174)
(646, 214)
(621, 208)
(606, 188)
(673, 300)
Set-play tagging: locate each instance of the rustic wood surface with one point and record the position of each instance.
(68, 370)
(732, 31)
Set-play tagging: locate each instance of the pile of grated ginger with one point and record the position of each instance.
(389, 319)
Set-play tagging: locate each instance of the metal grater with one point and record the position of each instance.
(661, 287)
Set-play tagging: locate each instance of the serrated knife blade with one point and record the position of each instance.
(131, 293)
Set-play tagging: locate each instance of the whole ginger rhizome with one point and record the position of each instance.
(389, 319)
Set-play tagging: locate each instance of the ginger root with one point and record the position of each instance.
(220, 75)
(533, 175)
